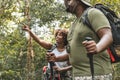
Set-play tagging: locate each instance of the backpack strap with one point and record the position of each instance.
(86, 21)
(53, 47)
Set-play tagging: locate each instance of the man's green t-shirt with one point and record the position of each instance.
(78, 53)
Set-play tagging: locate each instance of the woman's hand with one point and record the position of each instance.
(50, 57)
(58, 69)
(26, 28)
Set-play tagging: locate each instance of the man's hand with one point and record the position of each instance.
(90, 46)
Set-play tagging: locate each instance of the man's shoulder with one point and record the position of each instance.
(91, 12)
(94, 11)
(95, 14)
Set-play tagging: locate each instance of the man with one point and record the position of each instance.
(80, 48)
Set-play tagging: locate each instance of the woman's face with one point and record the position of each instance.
(59, 38)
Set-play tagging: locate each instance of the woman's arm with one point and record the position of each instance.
(62, 69)
(41, 42)
(52, 57)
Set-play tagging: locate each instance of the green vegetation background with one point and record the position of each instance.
(20, 60)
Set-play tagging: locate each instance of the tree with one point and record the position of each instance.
(13, 43)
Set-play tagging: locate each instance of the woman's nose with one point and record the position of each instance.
(57, 36)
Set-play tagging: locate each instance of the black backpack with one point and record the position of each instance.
(115, 26)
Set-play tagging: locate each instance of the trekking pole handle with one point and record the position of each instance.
(51, 64)
(51, 61)
(88, 38)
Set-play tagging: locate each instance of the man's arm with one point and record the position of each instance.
(106, 39)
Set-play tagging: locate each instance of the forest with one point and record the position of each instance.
(21, 58)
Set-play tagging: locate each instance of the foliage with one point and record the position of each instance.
(13, 43)
(113, 4)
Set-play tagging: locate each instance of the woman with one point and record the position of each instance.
(59, 49)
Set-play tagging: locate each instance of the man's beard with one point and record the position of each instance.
(71, 9)
(68, 9)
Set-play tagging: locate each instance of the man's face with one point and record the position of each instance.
(71, 5)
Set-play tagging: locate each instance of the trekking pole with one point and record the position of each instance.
(51, 66)
(90, 59)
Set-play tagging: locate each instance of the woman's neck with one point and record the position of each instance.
(60, 47)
